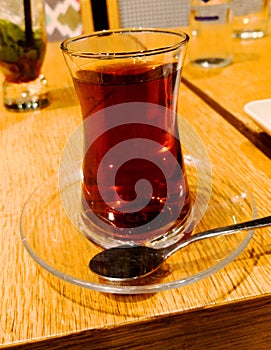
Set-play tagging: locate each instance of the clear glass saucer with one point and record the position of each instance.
(55, 243)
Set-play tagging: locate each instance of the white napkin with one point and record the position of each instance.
(260, 112)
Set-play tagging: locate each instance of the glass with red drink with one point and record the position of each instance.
(134, 185)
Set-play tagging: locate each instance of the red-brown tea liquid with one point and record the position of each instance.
(108, 86)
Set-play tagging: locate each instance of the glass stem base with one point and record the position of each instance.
(211, 62)
(249, 34)
(26, 96)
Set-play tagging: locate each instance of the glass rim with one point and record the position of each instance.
(183, 39)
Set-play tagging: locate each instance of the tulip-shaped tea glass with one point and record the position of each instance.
(22, 50)
(134, 185)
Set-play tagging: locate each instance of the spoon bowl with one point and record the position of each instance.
(127, 262)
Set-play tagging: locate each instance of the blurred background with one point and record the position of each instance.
(67, 18)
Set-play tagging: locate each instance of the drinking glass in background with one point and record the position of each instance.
(250, 19)
(134, 185)
(22, 50)
(210, 33)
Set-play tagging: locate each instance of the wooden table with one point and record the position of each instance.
(230, 309)
(246, 79)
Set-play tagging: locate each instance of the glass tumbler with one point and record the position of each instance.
(210, 33)
(250, 19)
(22, 50)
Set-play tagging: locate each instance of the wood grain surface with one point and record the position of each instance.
(230, 309)
(228, 89)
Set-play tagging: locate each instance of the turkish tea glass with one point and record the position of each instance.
(134, 185)
(22, 50)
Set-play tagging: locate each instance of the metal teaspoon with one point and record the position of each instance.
(133, 261)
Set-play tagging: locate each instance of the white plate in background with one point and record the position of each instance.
(260, 112)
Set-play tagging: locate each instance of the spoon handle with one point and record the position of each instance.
(220, 231)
